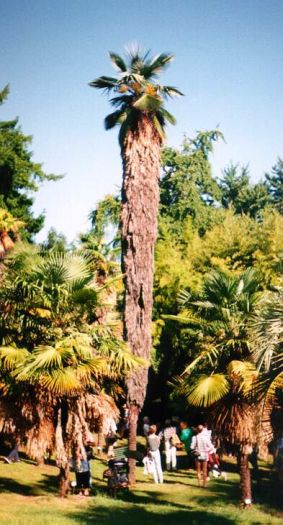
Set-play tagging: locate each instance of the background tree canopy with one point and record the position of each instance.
(227, 224)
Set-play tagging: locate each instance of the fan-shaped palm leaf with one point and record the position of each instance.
(91, 369)
(120, 360)
(11, 357)
(62, 381)
(204, 391)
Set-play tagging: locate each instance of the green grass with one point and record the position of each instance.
(28, 496)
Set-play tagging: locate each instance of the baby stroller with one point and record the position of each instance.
(117, 476)
(214, 467)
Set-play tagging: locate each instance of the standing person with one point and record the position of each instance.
(124, 429)
(153, 442)
(13, 457)
(201, 447)
(186, 436)
(81, 466)
(170, 437)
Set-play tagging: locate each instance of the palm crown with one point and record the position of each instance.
(136, 92)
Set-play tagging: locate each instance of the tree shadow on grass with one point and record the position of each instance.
(141, 516)
(48, 483)
(13, 486)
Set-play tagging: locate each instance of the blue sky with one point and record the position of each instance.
(228, 63)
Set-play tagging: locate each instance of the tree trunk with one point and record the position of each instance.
(62, 451)
(133, 421)
(140, 199)
(245, 480)
(64, 480)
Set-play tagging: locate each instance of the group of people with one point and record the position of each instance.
(173, 435)
(201, 453)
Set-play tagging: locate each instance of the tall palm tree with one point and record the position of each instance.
(223, 375)
(139, 111)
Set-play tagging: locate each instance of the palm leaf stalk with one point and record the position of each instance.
(139, 111)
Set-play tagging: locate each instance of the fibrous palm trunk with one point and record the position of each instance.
(245, 480)
(62, 451)
(64, 480)
(140, 199)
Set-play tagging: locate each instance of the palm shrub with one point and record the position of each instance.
(140, 112)
(267, 343)
(57, 397)
(56, 357)
(222, 376)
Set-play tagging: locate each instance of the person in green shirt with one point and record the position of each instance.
(186, 436)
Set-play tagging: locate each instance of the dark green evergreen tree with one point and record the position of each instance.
(274, 183)
(187, 188)
(238, 191)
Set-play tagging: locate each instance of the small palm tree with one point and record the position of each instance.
(53, 395)
(223, 375)
(141, 114)
(267, 344)
(56, 355)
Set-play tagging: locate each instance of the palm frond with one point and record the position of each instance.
(210, 354)
(61, 381)
(11, 357)
(104, 82)
(204, 391)
(159, 63)
(186, 317)
(244, 375)
(92, 368)
(159, 128)
(167, 116)
(115, 118)
(119, 357)
(267, 331)
(170, 91)
(184, 298)
(121, 101)
(117, 61)
(269, 385)
(45, 357)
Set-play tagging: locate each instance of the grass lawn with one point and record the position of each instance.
(28, 496)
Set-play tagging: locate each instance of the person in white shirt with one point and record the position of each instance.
(153, 442)
(169, 434)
